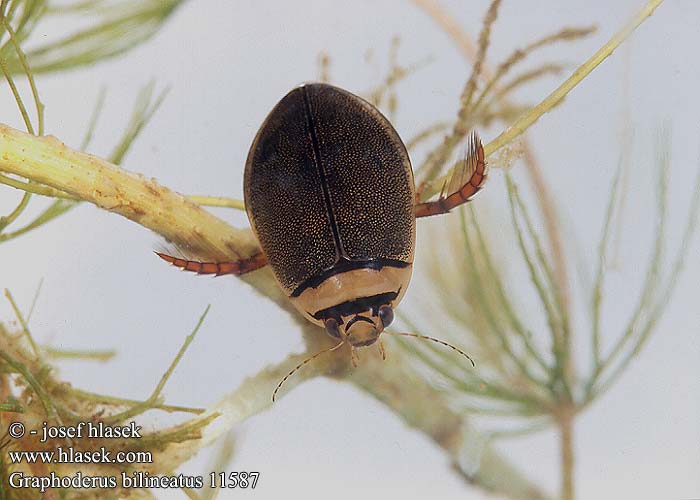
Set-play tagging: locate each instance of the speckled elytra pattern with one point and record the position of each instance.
(328, 177)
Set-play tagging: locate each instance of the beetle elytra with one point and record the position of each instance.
(330, 196)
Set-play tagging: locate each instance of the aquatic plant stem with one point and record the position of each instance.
(468, 49)
(406, 393)
(566, 441)
(217, 201)
(554, 98)
(545, 200)
(47, 161)
(547, 206)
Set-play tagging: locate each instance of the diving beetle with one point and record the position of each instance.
(330, 196)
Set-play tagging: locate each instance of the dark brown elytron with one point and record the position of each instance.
(330, 196)
(329, 192)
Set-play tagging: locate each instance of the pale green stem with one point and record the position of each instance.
(556, 96)
(582, 72)
(153, 398)
(23, 323)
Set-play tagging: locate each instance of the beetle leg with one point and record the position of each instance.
(353, 356)
(217, 268)
(459, 189)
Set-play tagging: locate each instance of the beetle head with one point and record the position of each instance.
(361, 329)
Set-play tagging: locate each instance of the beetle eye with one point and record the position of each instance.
(332, 328)
(386, 314)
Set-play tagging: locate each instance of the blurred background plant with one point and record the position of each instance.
(95, 30)
(528, 375)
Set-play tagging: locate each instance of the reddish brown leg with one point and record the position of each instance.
(218, 268)
(475, 167)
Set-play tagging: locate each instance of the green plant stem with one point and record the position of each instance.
(12, 216)
(558, 94)
(47, 161)
(516, 324)
(597, 295)
(394, 383)
(36, 188)
(217, 201)
(545, 200)
(558, 348)
(479, 387)
(54, 210)
(566, 440)
(23, 323)
(651, 282)
(566, 34)
(582, 72)
(100, 398)
(563, 335)
(411, 397)
(56, 353)
(154, 397)
(11, 408)
(18, 98)
(205, 201)
(485, 306)
(34, 300)
(30, 76)
(44, 397)
(92, 124)
(663, 297)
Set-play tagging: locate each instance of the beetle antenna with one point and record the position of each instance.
(310, 358)
(425, 337)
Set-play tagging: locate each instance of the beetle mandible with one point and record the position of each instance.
(330, 196)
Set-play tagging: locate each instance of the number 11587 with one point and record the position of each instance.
(234, 479)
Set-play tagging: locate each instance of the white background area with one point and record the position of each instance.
(227, 63)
